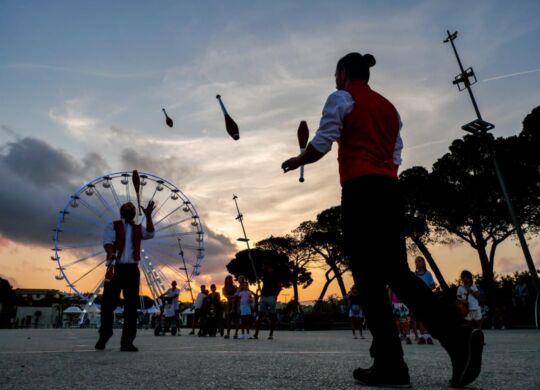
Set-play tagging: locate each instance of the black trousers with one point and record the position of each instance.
(126, 280)
(372, 213)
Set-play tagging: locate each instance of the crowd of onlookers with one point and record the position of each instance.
(238, 312)
(242, 312)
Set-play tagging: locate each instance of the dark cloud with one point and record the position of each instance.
(218, 250)
(39, 162)
(36, 181)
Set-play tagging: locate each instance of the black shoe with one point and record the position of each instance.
(129, 348)
(191, 333)
(387, 376)
(467, 358)
(102, 342)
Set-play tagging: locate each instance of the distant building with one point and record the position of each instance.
(38, 316)
(38, 308)
(37, 294)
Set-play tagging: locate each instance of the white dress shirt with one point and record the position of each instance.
(109, 237)
(337, 106)
(173, 293)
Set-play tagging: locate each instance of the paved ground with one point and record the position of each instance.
(65, 359)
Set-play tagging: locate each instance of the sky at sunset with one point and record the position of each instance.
(82, 85)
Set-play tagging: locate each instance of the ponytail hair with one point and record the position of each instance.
(356, 65)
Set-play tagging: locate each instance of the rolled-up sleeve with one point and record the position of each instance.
(146, 235)
(109, 235)
(337, 106)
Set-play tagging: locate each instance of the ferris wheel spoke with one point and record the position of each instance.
(128, 195)
(148, 282)
(115, 195)
(154, 279)
(91, 208)
(178, 272)
(95, 254)
(83, 245)
(150, 250)
(74, 231)
(160, 206)
(168, 215)
(89, 272)
(171, 224)
(105, 202)
(82, 219)
(156, 238)
(154, 194)
(171, 245)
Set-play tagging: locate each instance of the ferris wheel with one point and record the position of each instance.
(174, 253)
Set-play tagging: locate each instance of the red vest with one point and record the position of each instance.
(120, 240)
(369, 135)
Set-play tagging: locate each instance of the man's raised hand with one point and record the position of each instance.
(149, 208)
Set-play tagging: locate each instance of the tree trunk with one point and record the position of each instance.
(487, 268)
(431, 261)
(337, 274)
(326, 284)
(295, 290)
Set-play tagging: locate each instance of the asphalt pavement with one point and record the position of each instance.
(65, 359)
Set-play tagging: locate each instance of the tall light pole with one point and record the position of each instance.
(240, 218)
(464, 80)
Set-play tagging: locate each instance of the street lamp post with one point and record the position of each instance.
(464, 80)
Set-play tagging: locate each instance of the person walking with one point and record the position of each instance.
(267, 305)
(367, 129)
(122, 243)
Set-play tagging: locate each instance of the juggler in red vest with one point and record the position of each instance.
(369, 134)
(120, 239)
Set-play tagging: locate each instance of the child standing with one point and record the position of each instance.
(355, 312)
(468, 295)
(245, 300)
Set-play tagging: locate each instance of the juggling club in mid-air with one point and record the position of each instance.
(303, 136)
(137, 186)
(230, 124)
(168, 120)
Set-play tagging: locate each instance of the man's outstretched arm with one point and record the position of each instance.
(309, 156)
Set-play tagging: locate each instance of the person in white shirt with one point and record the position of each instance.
(468, 293)
(122, 243)
(172, 306)
(197, 306)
